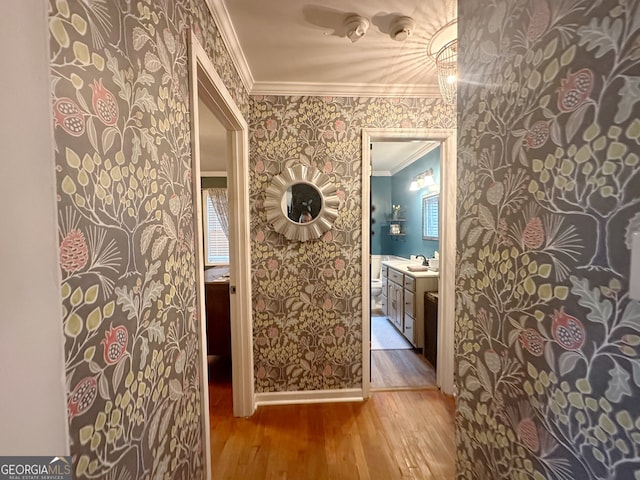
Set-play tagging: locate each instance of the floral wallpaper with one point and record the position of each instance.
(307, 305)
(547, 337)
(120, 97)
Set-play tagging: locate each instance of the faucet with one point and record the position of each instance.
(424, 259)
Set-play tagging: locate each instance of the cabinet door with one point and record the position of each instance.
(408, 329)
(409, 303)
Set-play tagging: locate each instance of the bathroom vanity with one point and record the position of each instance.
(403, 303)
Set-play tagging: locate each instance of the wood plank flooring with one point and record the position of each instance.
(400, 369)
(406, 434)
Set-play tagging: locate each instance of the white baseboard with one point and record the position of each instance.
(311, 396)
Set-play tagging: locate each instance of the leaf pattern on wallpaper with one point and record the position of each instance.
(307, 297)
(548, 187)
(122, 137)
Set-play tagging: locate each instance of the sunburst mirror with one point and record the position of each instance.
(301, 203)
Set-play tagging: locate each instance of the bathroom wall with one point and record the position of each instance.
(548, 338)
(411, 202)
(307, 297)
(381, 200)
(120, 113)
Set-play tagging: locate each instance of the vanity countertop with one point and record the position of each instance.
(401, 266)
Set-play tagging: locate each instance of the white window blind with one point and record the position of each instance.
(216, 243)
(430, 217)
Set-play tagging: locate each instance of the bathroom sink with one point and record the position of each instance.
(418, 268)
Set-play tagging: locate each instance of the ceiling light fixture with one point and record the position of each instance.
(356, 27)
(424, 179)
(443, 47)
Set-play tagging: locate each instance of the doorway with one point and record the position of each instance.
(398, 357)
(208, 87)
(447, 140)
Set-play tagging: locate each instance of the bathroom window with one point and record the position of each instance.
(430, 208)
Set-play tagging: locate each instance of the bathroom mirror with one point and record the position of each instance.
(301, 203)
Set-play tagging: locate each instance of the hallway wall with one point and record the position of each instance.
(548, 367)
(307, 296)
(119, 82)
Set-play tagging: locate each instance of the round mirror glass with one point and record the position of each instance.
(302, 202)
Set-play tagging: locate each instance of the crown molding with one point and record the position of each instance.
(227, 32)
(419, 153)
(288, 89)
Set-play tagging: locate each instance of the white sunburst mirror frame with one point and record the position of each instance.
(276, 209)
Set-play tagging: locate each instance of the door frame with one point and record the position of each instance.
(447, 228)
(203, 73)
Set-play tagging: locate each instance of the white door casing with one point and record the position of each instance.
(447, 228)
(204, 81)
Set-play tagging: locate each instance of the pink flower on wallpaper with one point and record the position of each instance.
(261, 273)
(115, 344)
(260, 236)
(406, 123)
(328, 167)
(339, 331)
(262, 372)
(328, 236)
(327, 134)
(261, 341)
(67, 114)
(340, 126)
(272, 264)
(272, 332)
(261, 305)
(328, 272)
(104, 103)
(341, 195)
(82, 397)
(327, 371)
(532, 341)
(339, 264)
(327, 99)
(259, 166)
(328, 304)
(574, 90)
(271, 124)
(529, 434)
(567, 330)
(74, 252)
(260, 133)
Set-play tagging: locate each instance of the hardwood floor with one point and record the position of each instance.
(406, 434)
(400, 369)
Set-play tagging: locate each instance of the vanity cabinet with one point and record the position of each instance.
(403, 310)
(383, 300)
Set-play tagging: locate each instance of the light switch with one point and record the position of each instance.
(634, 276)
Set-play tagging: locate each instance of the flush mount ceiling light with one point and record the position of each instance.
(443, 48)
(356, 27)
(402, 28)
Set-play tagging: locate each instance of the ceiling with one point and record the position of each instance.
(298, 47)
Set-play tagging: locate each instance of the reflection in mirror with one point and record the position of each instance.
(303, 202)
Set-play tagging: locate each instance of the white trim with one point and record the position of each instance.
(446, 304)
(421, 152)
(290, 89)
(205, 79)
(309, 396)
(209, 173)
(222, 20)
